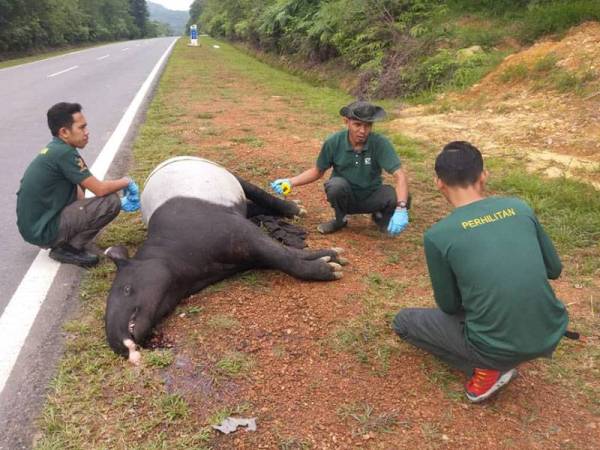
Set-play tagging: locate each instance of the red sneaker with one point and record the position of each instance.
(485, 382)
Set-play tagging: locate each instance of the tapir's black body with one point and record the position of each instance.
(192, 244)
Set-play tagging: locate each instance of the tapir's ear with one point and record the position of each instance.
(118, 254)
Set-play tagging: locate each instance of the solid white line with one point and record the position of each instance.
(63, 71)
(23, 307)
(102, 57)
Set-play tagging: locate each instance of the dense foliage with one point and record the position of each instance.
(400, 47)
(32, 24)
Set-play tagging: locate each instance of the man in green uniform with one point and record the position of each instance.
(358, 157)
(489, 262)
(51, 209)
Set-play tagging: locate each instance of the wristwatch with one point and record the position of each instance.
(401, 204)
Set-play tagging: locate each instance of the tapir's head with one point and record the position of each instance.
(133, 304)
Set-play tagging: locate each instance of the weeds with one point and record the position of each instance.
(368, 421)
(234, 364)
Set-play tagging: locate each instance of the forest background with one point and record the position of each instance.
(35, 25)
(400, 48)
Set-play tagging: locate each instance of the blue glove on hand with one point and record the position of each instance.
(129, 205)
(282, 186)
(398, 222)
(133, 188)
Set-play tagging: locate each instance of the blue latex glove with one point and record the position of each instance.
(282, 186)
(129, 205)
(133, 188)
(398, 222)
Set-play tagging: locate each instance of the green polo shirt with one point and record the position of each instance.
(492, 259)
(361, 169)
(49, 184)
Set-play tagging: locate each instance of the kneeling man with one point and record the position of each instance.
(358, 157)
(489, 263)
(51, 209)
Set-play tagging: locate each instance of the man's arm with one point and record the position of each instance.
(445, 289)
(401, 183)
(307, 177)
(551, 258)
(102, 188)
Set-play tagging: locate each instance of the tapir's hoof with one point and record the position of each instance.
(340, 260)
(325, 258)
(302, 213)
(335, 266)
(337, 275)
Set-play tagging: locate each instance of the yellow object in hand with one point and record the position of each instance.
(286, 188)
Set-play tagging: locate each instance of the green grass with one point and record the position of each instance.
(234, 364)
(159, 358)
(367, 420)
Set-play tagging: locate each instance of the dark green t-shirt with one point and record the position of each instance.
(49, 184)
(493, 259)
(361, 169)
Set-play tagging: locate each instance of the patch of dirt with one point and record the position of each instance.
(307, 387)
(556, 133)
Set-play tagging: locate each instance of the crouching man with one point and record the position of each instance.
(51, 209)
(489, 262)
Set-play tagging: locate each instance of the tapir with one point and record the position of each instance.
(198, 233)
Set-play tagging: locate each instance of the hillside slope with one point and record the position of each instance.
(175, 19)
(542, 103)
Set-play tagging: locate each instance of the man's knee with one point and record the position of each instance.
(401, 323)
(336, 186)
(113, 204)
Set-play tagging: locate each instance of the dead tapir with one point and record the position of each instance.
(198, 234)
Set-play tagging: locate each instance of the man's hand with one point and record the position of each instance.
(398, 222)
(133, 188)
(282, 186)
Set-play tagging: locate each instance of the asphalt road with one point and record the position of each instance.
(104, 80)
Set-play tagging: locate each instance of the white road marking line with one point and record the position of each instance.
(102, 57)
(24, 305)
(125, 49)
(62, 71)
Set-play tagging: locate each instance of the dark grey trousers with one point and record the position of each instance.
(342, 200)
(83, 219)
(442, 334)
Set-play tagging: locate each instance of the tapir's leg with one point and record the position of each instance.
(265, 203)
(266, 253)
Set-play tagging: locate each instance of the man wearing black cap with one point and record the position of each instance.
(358, 157)
(489, 262)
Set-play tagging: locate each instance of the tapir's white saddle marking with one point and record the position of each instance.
(191, 177)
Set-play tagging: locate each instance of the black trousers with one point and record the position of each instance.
(343, 201)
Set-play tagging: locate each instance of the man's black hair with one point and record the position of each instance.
(61, 115)
(459, 164)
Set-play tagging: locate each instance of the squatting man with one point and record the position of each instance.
(358, 157)
(489, 262)
(52, 211)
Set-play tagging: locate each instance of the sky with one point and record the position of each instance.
(180, 5)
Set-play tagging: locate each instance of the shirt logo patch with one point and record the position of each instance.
(44, 151)
(367, 161)
(81, 164)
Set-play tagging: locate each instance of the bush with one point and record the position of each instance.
(557, 17)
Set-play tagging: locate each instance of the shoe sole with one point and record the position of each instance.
(502, 381)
